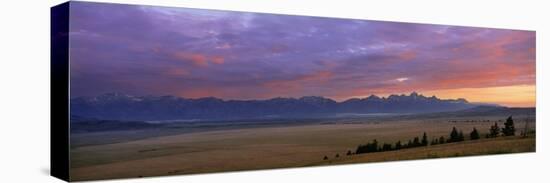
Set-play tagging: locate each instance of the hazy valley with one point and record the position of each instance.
(116, 148)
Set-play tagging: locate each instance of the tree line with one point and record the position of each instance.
(454, 136)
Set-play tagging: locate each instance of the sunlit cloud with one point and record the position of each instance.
(401, 79)
(198, 59)
(233, 55)
(195, 58)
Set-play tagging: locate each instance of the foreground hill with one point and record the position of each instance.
(482, 110)
(116, 106)
(502, 145)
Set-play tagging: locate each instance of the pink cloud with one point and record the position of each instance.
(197, 59)
(218, 60)
(295, 85)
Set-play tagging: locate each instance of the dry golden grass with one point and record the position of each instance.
(276, 147)
(501, 145)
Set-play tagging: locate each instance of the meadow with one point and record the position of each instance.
(133, 154)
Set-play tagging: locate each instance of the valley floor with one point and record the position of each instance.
(281, 147)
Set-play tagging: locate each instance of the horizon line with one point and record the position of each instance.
(330, 98)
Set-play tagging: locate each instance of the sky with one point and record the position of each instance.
(192, 53)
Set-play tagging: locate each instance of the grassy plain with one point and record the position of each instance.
(285, 146)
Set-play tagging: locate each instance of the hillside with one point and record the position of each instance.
(116, 106)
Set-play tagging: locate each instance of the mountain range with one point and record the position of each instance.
(119, 106)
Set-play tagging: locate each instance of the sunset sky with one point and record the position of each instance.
(147, 50)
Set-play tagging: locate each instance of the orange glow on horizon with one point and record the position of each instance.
(509, 96)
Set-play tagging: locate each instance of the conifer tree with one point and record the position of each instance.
(398, 145)
(416, 142)
(494, 131)
(453, 136)
(509, 129)
(474, 135)
(424, 139)
(362, 149)
(374, 146)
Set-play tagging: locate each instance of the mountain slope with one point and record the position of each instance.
(116, 106)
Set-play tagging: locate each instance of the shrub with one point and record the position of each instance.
(460, 136)
(441, 140)
(386, 147)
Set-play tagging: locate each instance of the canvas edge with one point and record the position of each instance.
(59, 91)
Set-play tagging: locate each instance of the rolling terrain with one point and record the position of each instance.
(118, 106)
(203, 147)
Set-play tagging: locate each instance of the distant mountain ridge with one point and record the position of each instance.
(118, 106)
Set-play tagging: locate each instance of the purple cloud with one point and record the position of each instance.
(145, 50)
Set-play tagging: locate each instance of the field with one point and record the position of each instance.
(133, 154)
